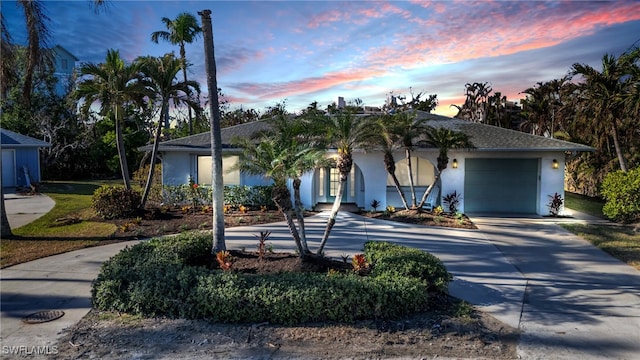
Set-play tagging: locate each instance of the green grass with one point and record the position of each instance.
(584, 204)
(622, 242)
(45, 236)
(73, 200)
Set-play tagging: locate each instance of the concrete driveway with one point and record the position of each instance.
(571, 300)
(23, 209)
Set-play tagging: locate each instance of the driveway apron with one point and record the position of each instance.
(580, 303)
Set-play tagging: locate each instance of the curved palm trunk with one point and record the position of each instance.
(616, 144)
(390, 166)
(183, 56)
(124, 168)
(156, 144)
(429, 189)
(282, 198)
(334, 209)
(299, 214)
(410, 171)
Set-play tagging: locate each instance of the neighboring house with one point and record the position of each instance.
(65, 63)
(20, 159)
(508, 172)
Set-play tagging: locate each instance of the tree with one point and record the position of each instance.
(344, 131)
(160, 74)
(114, 85)
(444, 139)
(407, 129)
(385, 137)
(184, 29)
(475, 107)
(601, 95)
(272, 158)
(216, 138)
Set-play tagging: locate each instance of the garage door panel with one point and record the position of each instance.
(8, 168)
(501, 185)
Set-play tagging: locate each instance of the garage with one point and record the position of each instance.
(501, 186)
(8, 168)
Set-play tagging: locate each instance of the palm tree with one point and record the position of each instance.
(294, 134)
(273, 159)
(344, 132)
(219, 243)
(535, 108)
(445, 140)
(160, 74)
(384, 135)
(8, 74)
(113, 84)
(184, 29)
(602, 96)
(408, 128)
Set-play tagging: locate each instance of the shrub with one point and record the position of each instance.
(621, 190)
(115, 202)
(555, 204)
(452, 200)
(390, 259)
(156, 278)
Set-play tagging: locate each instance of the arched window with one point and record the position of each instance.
(423, 172)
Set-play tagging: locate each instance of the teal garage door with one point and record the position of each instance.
(501, 186)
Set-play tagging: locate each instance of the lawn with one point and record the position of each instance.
(621, 241)
(48, 236)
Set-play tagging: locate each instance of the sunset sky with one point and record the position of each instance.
(305, 51)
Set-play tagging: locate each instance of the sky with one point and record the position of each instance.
(305, 51)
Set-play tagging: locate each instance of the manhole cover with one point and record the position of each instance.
(43, 316)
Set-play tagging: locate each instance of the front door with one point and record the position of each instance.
(332, 183)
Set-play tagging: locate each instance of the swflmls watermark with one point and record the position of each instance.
(30, 350)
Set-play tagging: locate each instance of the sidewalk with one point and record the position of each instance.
(23, 209)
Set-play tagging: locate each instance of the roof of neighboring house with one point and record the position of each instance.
(484, 137)
(12, 140)
(59, 49)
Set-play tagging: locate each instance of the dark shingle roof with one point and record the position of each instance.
(484, 137)
(493, 138)
(12, 140)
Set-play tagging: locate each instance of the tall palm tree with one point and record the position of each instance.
(184, 29)
(160, 76)
(8, 72)
(219, 243)
(113, 84)
(344, 132)
(602, 96)
(536, 110)
(445, 140)
(37, 41)
(385, 137)
(408, 128)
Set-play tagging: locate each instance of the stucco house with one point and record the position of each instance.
(20, 159)
(508, 172)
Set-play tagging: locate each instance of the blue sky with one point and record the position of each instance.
(305, 51)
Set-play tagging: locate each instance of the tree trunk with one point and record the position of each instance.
(183, 56)
(122, 153)
(216, 141)
(282, 198)
(390, 166)
(616, 144)
(410, 170)
(429, 189)
(5, 228)
(334, 212)
(299, 214)
(154, 153)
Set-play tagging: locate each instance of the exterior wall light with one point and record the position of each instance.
(454, 164)
(555, 164)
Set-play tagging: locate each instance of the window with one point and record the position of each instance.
(230, 177)
(423, 172)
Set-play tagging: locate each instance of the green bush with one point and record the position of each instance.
(621, 190)
(115, 202)
(234, 195)
(155, 279)
(390, 259)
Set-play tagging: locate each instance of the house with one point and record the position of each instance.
(20, 159)
(65, 64)
(508, 172)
